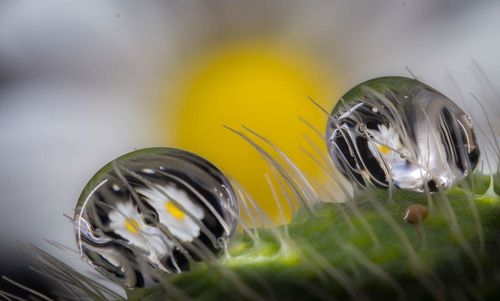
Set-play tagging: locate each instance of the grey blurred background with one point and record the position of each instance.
(76, 78)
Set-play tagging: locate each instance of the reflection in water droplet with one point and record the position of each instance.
(399, 131)
(135, 219)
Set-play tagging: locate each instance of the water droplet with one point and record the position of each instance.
(172, 207)
(415, 138)
(415, 214)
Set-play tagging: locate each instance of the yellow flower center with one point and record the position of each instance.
(384, 149)
(174, 211)
(132, 225)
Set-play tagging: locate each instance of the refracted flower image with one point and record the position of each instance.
(128, 223)
(183, 227)
(151, 211)
(249, 150)
(397, 131)
(388, 141)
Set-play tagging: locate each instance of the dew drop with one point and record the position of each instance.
(414, 137)
(162, 218)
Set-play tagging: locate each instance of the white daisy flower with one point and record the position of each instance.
(386, 143)
(386, 146)
(127, 222)
(174, 218)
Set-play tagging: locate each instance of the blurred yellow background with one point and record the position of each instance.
(260, 84)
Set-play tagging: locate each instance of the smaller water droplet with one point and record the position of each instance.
(399, 131)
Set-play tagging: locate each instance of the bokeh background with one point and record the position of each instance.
(84, 82)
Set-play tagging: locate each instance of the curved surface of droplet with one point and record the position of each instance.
(154, 210)
(399, 131)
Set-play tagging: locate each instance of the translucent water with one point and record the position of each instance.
(399, 131)
(154, 210)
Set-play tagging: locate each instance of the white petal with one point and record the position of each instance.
(184, 229)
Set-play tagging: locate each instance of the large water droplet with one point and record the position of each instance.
(154, 210)
(399, 131)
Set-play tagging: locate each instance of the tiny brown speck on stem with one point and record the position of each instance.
(415, 213)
